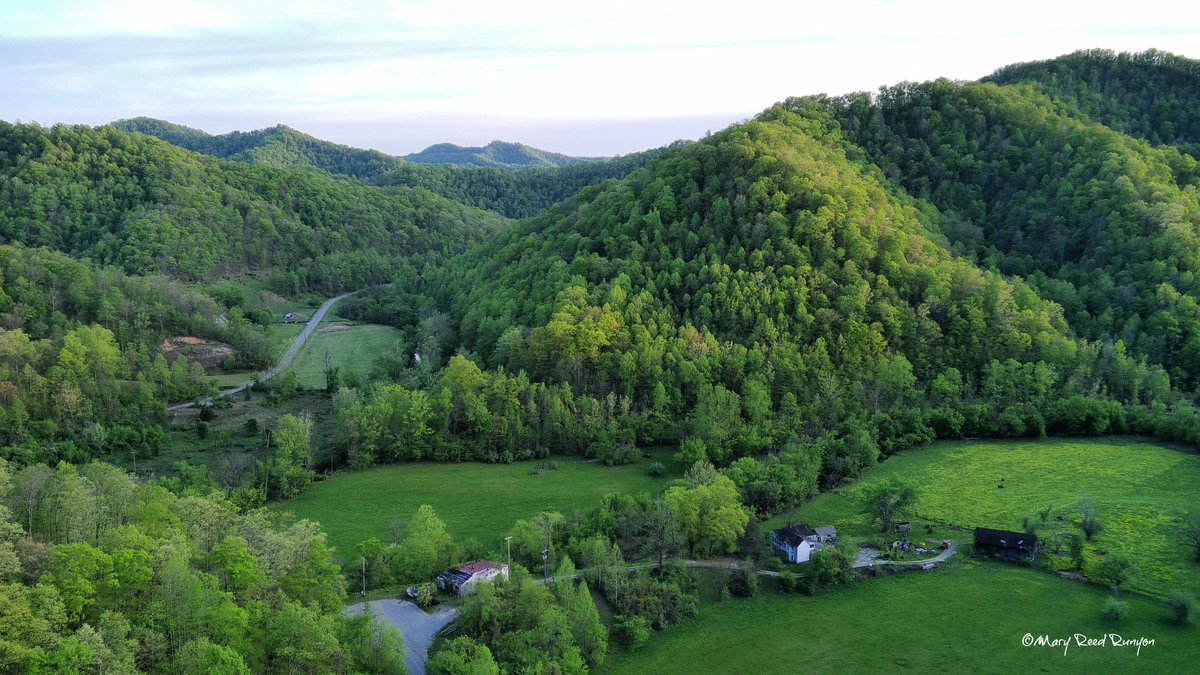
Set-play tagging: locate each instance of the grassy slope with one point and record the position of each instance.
(1140, 491)
(353, 351)
(480, 501)
(967, 620)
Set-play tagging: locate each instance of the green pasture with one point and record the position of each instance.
(969, 620)
(1140, 491)
(352, 349)
(477, 501)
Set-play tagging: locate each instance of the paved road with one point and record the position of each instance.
(285, 360)
(418, 627)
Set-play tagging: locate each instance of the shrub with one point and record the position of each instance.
(744, 580)
(634, 631)
(425, 594)
(201, 430)
(1115, 610)
(788, 583)
(657, 469)
(206, 413)
(1181, 606)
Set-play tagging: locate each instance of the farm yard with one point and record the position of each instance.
(477, 501)
(1138, 490)
(969, 620)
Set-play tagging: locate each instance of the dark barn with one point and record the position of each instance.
(1010, 546)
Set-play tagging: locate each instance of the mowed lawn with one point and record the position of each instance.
(352, 348)
(1140, 491)
(970, 620)
(477, 501)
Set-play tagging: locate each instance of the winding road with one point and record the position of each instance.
(284, 361)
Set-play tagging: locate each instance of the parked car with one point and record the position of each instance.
(929, 566)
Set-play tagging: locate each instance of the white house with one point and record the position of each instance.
(798, 542)
(462, 579)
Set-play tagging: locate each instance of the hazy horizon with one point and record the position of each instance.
(581, 80)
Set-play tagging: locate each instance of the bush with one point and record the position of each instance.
(634, 631)
(201, 430)
(206, 413)
(657, 469)
(744, 580)
(425, 594)
(1181, 606)
(251, 427)
(1115, 610)
(788, 583)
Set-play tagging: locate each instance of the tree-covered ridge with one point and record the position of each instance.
(516, 194)
(754, 292)
(102, 574)
(279, 146)
(137, 202)
(1102, 224)
(496, 155)
(1151, 95)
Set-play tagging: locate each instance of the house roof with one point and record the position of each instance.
(792, 535)
(476, 567)
(1005, 539)
(455, 575)
(827, 531)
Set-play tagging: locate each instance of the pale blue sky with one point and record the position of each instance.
(596, 79)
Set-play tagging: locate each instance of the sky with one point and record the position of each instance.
(598, 78)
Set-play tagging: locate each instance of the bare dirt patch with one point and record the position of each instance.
(210, 353)
(335, 329)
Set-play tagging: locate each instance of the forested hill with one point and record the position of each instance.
(279, 146)
(517, 194)
(1103, 224)
(497, 155)
(482, 184)
(1151, 95)
(150, 207)
(756, 291)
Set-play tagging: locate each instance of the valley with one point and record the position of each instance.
(658, 411)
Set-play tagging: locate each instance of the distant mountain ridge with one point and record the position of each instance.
(519, 181)
(497, 154)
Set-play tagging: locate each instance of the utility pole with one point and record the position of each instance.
(508, 543)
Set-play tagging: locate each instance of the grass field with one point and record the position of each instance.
(353, 351)
(479, 501)
(970, 620)
(1140, 491)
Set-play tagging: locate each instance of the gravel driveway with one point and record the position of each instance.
(418, 627)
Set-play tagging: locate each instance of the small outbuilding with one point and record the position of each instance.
(1006, 545)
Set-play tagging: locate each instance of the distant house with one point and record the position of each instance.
(461, 580)
(799, 542)
(827, 534)
(903, 526)
(1010, 546)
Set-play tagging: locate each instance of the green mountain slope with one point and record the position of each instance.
(137, 202)
(751, 292)
(1151, 95)
(497, 154)
(513, 194)
(1103, 224)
